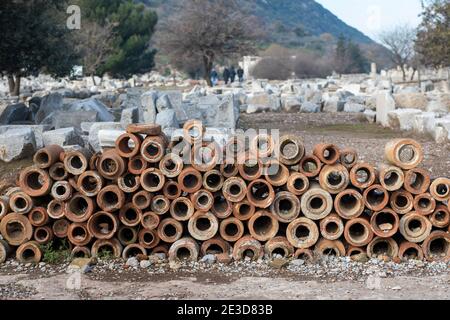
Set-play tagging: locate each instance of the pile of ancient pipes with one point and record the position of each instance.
(142, 198)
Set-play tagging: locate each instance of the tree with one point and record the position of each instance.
(349, 57)
(134, 25)
(207, 30)
(433, 36)
(400, 41)
(34, 38)
(95, 43)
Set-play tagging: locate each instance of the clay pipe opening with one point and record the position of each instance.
(310, 166)
(234, 189)
(391, 178)
(437, 246)
(171, 165)
(38, 217)
(171, 190)
(103, 225)
(152, 180)
(291, 150)
(327, 153)
(232, 229)
(358, 232)
(203, 226)
(334, 179)
(133, 250)
(128, 145)
(410, 251)
(247, 247)
(61, 190)
(80, 252)
(222, 208)
(43, 235)
(385, 223)
(302, 233)
(16, 229)
(60, 228)
(276, 174)
(349, 158)
(29, 252)
(185, 249)
(349, 204)
(58, 172)
(21, 203)
(251, 168)
(440, 217)
(376, 197)
(362, 175)
(127, 235)
(137, 165)
(260, 193)
(129, 183)
(424, 204)
(202, 200)
(148, 239)
(170, 230)
(316, 203)
(76, 162)
(142, 199)
(190, 180)
(182, 209)
(243, 210)
(150, 220)
(440, 189)
(330, 248)
(404, 153)
(402, 202)
(215, 246)
(417, 181)
(80, 208)
(332, 227)
(213, 181)
(286, 207)
(415, 227)
(90, 183)
(111, 198)
(35, 182)
(379, 248)
(48, 156)
(78, 234)
(153, 149)
(297, 183)
(130, 216)
(278, 246)
(109, 247)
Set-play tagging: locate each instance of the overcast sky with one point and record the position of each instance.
(372, 16)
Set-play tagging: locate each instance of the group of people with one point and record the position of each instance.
(229, 75)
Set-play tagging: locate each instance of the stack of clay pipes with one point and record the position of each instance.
(143, 197)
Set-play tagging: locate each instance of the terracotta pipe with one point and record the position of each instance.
(128, 145)
(61, 190)
(349, 158)
(362, 175)
(260, 193)
(56, 209)
(222, 208)
(12, 190)
(150, 220)
(111, 198)
(163, 249)
(291, 150)
(193, 131)
(153, 148)
(262, 145)
(78, 234)
(148, 239)
(424, 204)
(184, 249)
(333, 248)
(5, 251)
(251, 168)
(80, 208)
(112, 246)
(263, 225)
(334, 179)
(440, 189)
(417, 181)
(48, 156)
(58, 172)
(171, 190)
(436, 246)
(77, 161)
(29, 252)
(385, 223)
(190, 180)
(216, 246)
(376, 197)
(243, 210)
(129, 183)
(280, 246)
(229, 170)
(415, 227)
(171, 165)
(402, 202)
(38, 217)
(80, 252)
(358, 232)
(202, 200)
(310, 166)
(43, 235)
(129, 215)
(381, 247)
(150, 129)
(316, 203)
(4, 206)
(327, 153)
(16, 229)
(349, 204)
(297, 183)
(160, 205)
(111, 166)
(35, 182)
(304, 254)
(332, 227)
(137, 165)
(93, 162)
(410, 251)
(60, 228)
(247, 247)
(213, 181)
(73, 183)
(440, 217)
(391, 178)
(286, 207)
(203, 226)
(133, 250)
(404, 153)
(302, 233)
(231, 229)
(276, 174)
(205, 156)
(127, 235)
(90, 183)
(234, 189)
(21, 203)
(142, 199)
(170, 230)
(182, 209)
(103, 225)
(353, 251)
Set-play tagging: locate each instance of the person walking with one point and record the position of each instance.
(240, 74)
(214, 77)
(226, 75)
(232, 74)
